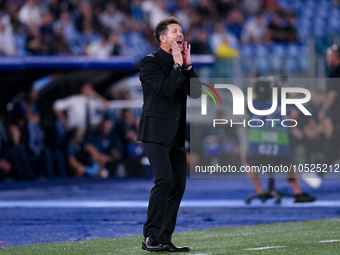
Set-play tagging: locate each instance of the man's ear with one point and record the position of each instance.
(162, 38)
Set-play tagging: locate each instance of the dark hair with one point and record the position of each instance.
(162, 27)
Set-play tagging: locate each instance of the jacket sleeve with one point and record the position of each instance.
(193, 83)
(151, 74)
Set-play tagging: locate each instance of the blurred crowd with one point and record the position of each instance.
(88, 139)
(91, 139)
(101, 29)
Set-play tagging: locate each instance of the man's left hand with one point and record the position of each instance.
(186, 53)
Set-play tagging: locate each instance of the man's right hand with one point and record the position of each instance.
(176, 54)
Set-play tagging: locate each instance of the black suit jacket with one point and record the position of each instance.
(165, 93)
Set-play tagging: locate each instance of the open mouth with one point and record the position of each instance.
(180, 43)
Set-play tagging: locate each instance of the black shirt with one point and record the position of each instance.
(169, 57)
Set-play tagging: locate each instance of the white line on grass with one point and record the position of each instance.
(232, 203)
(264, 248)
(329, 241)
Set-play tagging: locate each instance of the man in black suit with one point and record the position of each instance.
(165, 77)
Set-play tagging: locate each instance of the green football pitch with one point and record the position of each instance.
(308, 237)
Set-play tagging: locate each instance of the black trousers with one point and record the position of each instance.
(169, 167)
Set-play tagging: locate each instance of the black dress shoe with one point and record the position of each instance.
(151, 244)
(172, 248)
(303, 198)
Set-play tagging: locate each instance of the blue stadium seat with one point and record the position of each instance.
(246, 50)
(261, 59)
(310, 4)
(20, 43)
(278, 53)
(334, 23)
(322, 12)
(292, 58)
(303, 58)
(293, 50)
(285, 4)
(298, 5)
(246, 57)
(319, 26)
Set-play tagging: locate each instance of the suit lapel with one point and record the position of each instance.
(165, 64)
(167, 67)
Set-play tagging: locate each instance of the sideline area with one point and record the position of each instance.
(63, 210)
(310, 237)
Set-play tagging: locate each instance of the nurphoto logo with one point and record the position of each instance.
(239, 102)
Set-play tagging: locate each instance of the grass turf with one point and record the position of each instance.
(289, 238)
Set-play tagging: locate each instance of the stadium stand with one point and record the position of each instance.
(52, 39)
